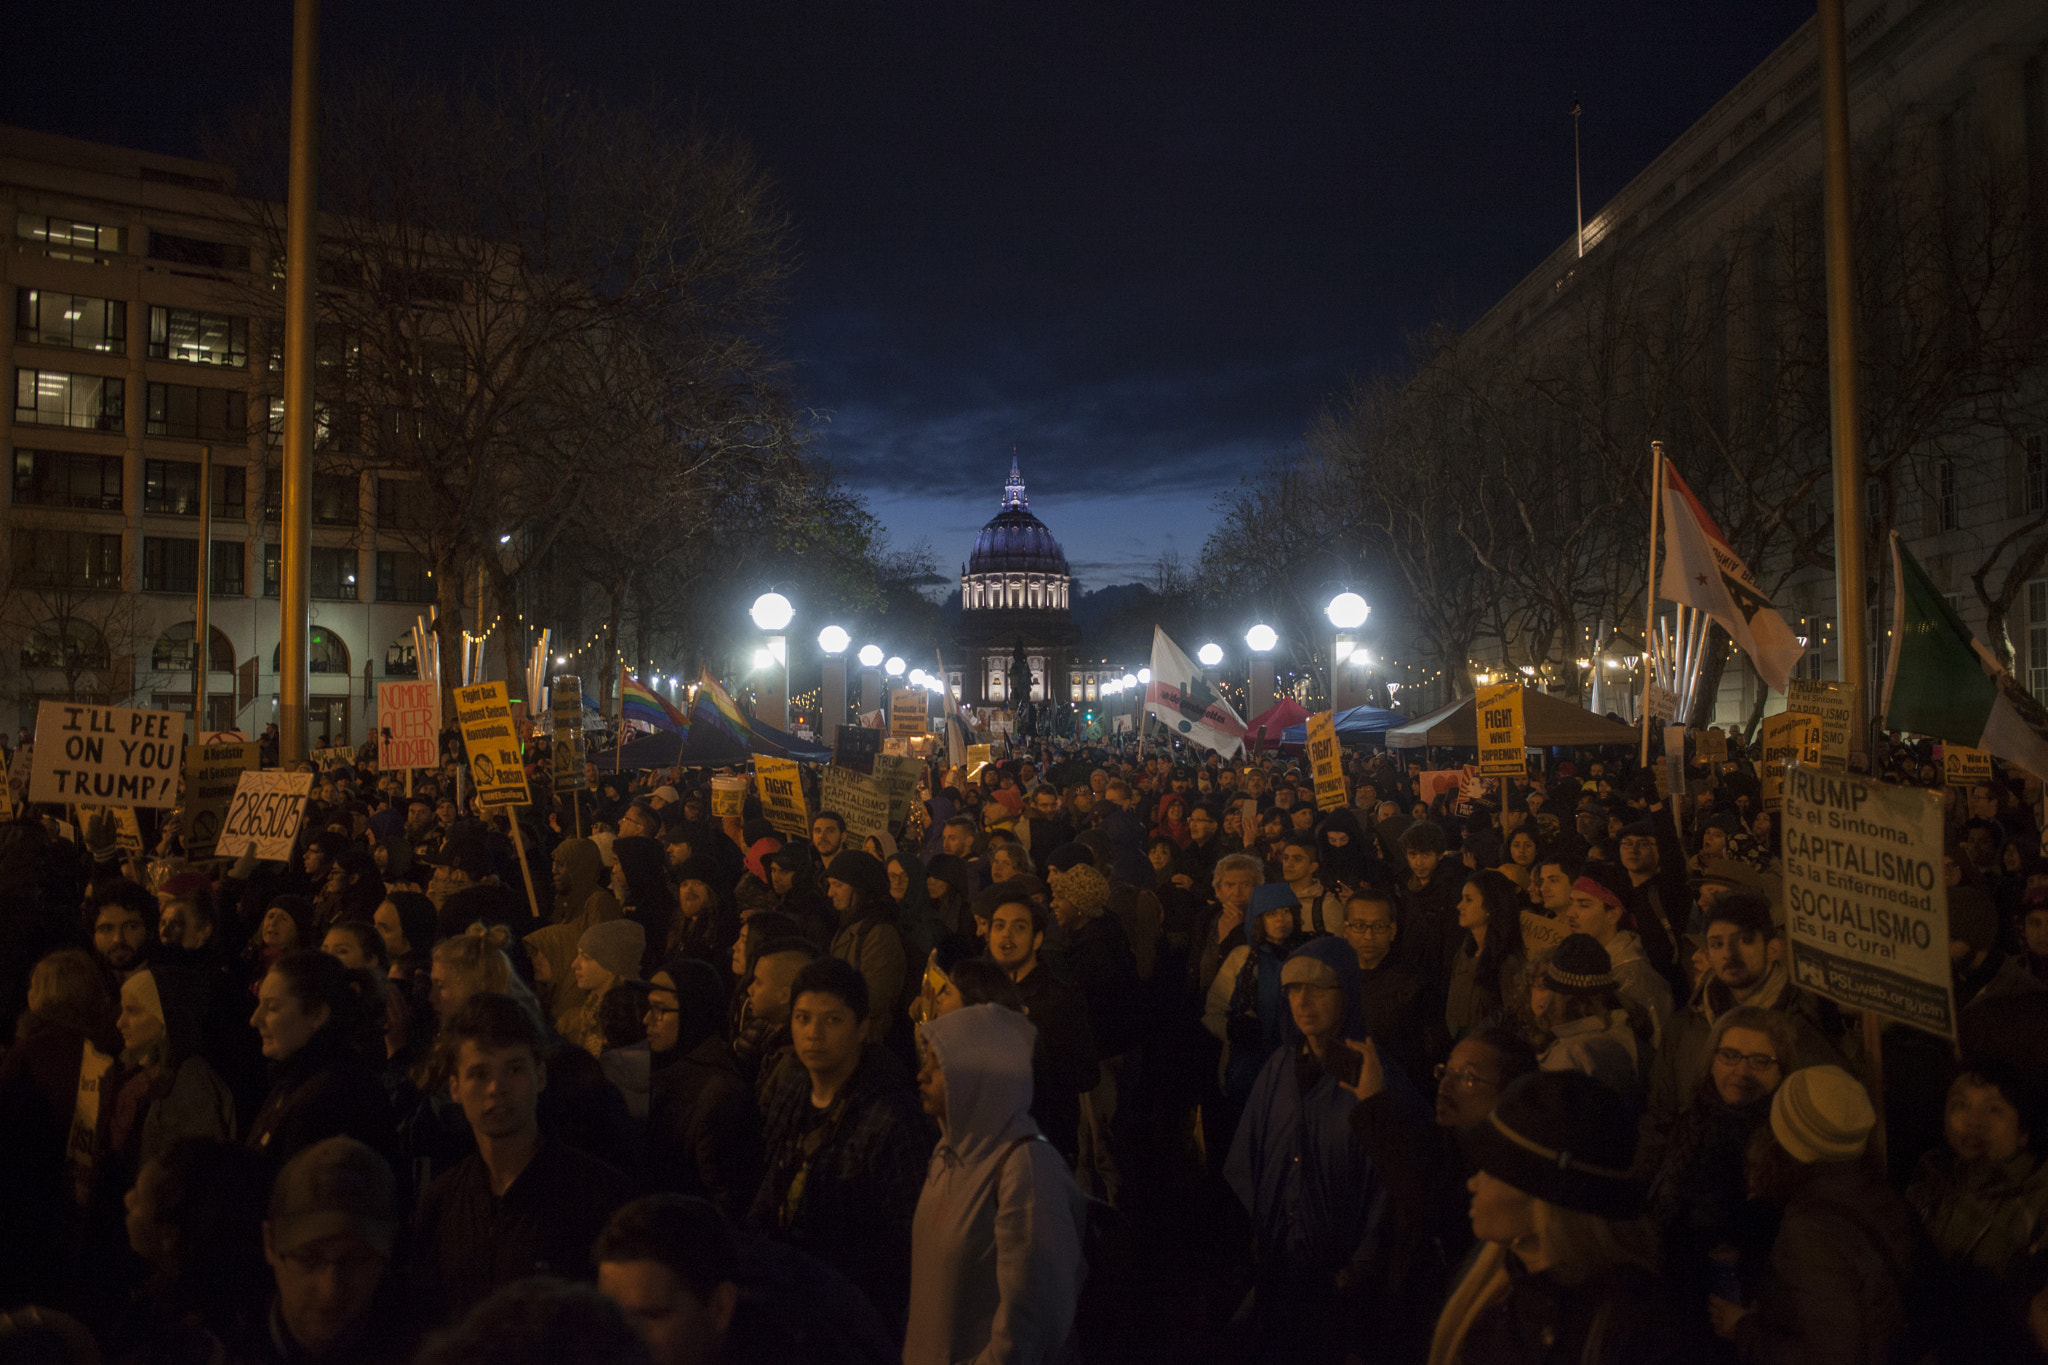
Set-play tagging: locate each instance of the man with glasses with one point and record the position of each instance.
(1401, 1016)
(639, 822)
(1660, 898)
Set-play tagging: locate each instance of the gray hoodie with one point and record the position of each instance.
(995, 1250)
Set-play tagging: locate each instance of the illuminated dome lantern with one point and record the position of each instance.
(1014, 601)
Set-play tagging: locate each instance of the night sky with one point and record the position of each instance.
(1138, 243)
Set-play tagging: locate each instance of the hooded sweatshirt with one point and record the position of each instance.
(1637, 980)
(995, 1250)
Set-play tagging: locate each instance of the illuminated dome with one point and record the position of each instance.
(1014, 541)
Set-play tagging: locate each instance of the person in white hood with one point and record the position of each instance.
(995, 1250)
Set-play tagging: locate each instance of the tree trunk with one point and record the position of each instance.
(448, 619)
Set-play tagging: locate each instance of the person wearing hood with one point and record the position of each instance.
(867, 935)
(606, 955)
(1313, 1194)
(913, 902)
(581, 896)
(162, 1088)
(1575, 998)
(1245, 1006)
(1342, 855)
(995, 1251)
(703, 1128)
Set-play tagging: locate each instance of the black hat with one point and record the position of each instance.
(863, 872)
(1068, 856)
(1580, 966)
(1562, 1137)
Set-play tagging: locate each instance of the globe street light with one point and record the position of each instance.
(1347, 612)
(1145, 676)
(1210, 655)
(773, 613)
(870, 678)
(870, 656)
(894, 668)
(1260, 639)
(832, 642)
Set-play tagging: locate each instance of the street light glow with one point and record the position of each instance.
(1347, 611)
(1130, 680)
(561, 658)
(870, 656)
(1145, 676)
(834, 640)
(1210, 654)
(1261, 638)
(762, 659)
(771, 611)
(894, 668)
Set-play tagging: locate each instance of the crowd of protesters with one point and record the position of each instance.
(1103, 1052)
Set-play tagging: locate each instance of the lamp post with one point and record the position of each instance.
(772, 613)
(1260, 640)
(1347, 612)
(870, 678)
(832, 641)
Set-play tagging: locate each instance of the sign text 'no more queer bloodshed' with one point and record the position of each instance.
(1865, 902)
(107, 755)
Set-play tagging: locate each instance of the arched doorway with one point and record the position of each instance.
(173, 650)
(327, 655)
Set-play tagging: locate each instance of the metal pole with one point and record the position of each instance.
(294, 681)
(1578, 183)
(201, 640)
(1650, 595)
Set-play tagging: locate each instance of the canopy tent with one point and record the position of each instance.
(1275, 718)
(1546, 721)
(1358, 724)
(705, 748)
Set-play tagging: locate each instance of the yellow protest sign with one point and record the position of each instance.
(1326, 760)
(1827, 702)
(484, 712)
(1497, 710)
(728, 797)
(1791, 737)
(782, 796)
(977, 759)
(1711, 746)
(212, 771)
(909, 713)
(1962, 766)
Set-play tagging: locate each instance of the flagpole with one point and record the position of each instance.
(1650, 596)
(619, 736)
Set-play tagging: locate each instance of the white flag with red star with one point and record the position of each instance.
(1702, 572)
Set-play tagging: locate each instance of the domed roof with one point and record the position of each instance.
(1014, 541)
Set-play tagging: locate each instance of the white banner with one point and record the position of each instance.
(264, 817)
(107, 755)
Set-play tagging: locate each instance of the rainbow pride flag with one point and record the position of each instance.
(637, 701)
(717, 709)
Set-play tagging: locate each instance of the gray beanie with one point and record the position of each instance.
(615, 945)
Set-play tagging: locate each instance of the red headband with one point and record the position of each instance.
(1586, 886)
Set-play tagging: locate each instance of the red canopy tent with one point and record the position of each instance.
(1283, 713)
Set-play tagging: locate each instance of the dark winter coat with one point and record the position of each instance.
(1065, 1064)
(321, 1091)
(1835, 1294)
(704, 1133)
(1623, 1317)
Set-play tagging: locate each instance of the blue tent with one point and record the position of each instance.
(707, 748)
(1361, 724)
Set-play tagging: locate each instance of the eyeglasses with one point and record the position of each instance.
(1377, 928)
(1755, 1061)
(1464, 1080)
(654, 1009)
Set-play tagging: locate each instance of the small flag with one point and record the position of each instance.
(1185, 703)
(639, 702)
(1942, 682)
(718, 710)
(1702, 572)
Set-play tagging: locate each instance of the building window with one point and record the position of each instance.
(2034, 473)
(55, 399)
(195, 414)
(334, 500)
(170, 565)
(198, 338)
(402, 576)
(2036, 660)
(401, 505)
(66, 559)
(323, 425)
(73, 645)
(333, 572)
(173, 650)
(64, 478)
(227, 569)
(170, 488)
(1947, 507)
(325, 653)
(67, 239)
(182, 250)
(43, 318)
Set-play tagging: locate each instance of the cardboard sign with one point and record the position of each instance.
(339, 754)
(1497, 710)
(782, 796)
(565, 700)
(1865, 903)
(855, 747)
(19, 770)
(1791, 737)
(1438, 781)
(729, 797)
(107, 755)
(1962, 766)
(1711, 746)
(858, 799)
(126, 829)
(977, 758)
(909, 713)
(484, 712)
(1771, 777)
(1541, 934)
(1671, 774)
(263, 818)
(212, 772)
(896, 775)
(1662, 702)
(1326, 760)
(1829, 702)
(408, 726)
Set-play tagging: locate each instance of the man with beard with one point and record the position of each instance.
(119, 915)
(1745, 966)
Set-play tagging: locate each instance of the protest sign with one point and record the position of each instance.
(484, 712)
(1865, 902)
(1711, 746)
(1541, 934)
(782, 796)
(728, 797)
(1962, 766)
(408, 726)
(565, 700)
(1791, 737)
(855, 747)
(896, 774)
(1662, 703)
(1438, 781)
(263, 818)
(125, 830)
(977, 758)
(1671, 774)
(858, 799)
(1827, 702)
(1326, 760)
(1498, 711)
(107, 755)
(909, 713)
(1771, 777)
(212, 772)
(339, 754)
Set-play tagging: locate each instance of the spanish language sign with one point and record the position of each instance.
(909, 713)
(408, 726)
(1497, 709)
(782, 795)
(212, 772)
(264, 816)
(107, 755)
(1827, 702)
(1791, 737)
(1864, 899)
(565, 699)
(896, 774)
(858, 799)
(484, 712)
(1326, 760)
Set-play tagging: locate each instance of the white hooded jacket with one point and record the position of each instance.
(995, 1248)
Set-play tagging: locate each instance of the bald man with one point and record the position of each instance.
(764, 1028)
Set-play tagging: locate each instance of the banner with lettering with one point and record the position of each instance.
(489, 733)
(1497, 709)
(782, 795)
(107, 755)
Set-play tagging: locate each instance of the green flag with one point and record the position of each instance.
(1940, 681)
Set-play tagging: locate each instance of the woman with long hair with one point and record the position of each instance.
(949, 882)
(1490, 956)
(322, 1029)
(1524, 851)
(1567, 1265)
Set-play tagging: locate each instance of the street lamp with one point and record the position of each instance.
(772, 614)
(832, 643)
(871, 678)
(1347, 612)
(1145, 676)
(894, 667)
(1260, 640)
(1210, 655)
